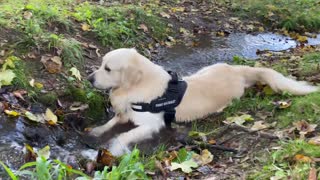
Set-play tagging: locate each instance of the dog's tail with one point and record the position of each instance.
(276, 80)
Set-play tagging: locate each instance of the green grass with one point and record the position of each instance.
(117, 26)
(298, 15)
(282, 163)
(130, 167)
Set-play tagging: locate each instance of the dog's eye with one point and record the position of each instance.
(107, 69)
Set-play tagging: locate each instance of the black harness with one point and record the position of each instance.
(167, 102)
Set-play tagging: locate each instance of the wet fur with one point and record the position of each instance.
(134, 78)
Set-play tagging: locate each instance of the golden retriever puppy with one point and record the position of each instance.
(133, 78)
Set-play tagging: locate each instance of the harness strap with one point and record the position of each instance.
(167, 102)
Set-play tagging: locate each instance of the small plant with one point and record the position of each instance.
(130, 167)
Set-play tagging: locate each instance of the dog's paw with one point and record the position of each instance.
(117, 148)
(97, 131)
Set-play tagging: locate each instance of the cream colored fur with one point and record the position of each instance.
(134, 78)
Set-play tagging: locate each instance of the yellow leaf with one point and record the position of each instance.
(261, 29)
(50, 117)
(85, 27)
(302, 158)
(76, 73)
(268, 90)
(204, 158)
(38, 85)
(302, 39)
(12, 113)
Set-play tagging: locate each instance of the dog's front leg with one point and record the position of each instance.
(98, 131)
(120, 145)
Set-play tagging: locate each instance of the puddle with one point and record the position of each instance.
(211, 50)
(67, 145)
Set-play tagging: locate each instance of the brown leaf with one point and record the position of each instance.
(105, 157)
(27, 15)
(312, 174)
(304, 128)
(143, 27)
(52, 64)
(165, 15)
(259, 125)
(315, 140)
(20, 93)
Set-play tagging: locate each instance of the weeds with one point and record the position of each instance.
(292, 160)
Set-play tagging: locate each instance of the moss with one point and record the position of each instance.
(94, 99)
(48, 99)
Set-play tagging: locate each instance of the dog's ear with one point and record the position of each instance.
(130, 76)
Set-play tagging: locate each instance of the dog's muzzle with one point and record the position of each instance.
(91, 78)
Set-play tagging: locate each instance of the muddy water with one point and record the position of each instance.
(68, 145)
(210, 50)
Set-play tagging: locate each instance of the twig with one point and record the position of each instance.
(223, 148)
(261, 134)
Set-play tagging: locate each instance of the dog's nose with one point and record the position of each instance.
(91, 78)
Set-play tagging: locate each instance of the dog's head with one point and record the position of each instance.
(120, 68)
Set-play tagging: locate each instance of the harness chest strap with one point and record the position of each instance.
(167, 102)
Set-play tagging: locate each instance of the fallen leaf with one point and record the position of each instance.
(258, 125)
(50, 117)
(85, 27)
(44, 152)
(52, 64)
(165, 15)
(302, 158)
(105, 157)
(27, 15)
(31, 116)
(12, 113)
(30, 154)
(220, 33)
(76, 73)
(204, 158)
(302, 39)
(304, 128)
(143, 27)
(31, 82)
(261, 29)
(282, 104)
(77, 106)
(212, 141)
(20, 93)
(6, 77)
(185, 166)
(268, 90)
(38, 85)
(315, 141)
(239, 119)
(312, 174)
